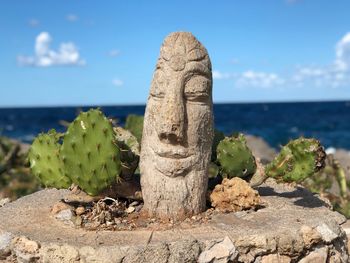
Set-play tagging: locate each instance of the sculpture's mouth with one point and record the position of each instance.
(176, 152)
(174, 160)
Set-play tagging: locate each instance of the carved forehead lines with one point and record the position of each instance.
(179, 48)
(192, 68)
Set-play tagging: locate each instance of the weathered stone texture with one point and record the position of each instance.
(178, 130)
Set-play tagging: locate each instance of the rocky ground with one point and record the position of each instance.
(293, 226)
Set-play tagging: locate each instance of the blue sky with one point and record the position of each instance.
(104, 52)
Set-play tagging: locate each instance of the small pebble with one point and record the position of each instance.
(66, 216)
(130, 209)
(80, 210)
(59, 206)
(110, 223)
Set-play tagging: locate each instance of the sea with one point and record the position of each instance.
(276, 123)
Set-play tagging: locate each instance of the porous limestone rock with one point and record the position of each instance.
(319, 255)
(5, 244)
(26, 250)
(294, 225)
(178, 130)
(234, 195)
(275, 258)
(220, 251)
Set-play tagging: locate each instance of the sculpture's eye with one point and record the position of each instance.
(197, 89)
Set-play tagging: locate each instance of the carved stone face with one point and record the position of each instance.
(178, 126)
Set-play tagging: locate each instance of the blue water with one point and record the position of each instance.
(274, 122)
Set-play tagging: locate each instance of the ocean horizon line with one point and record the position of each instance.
(144, 104)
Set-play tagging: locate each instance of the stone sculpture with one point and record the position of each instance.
(178, 130)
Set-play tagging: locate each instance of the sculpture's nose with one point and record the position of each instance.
(172, 119)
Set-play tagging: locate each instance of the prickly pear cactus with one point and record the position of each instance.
(235, 158)
(45, 162)
(90, 155)
(129, 152)
(297, 160)
(134, 124)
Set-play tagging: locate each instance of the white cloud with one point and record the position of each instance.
(333, 75)
(252, 78)
(33, 22)
(72, 18)
(67, 54)
(220, 75)
(113, 52)
(336, 74)
(342, 51)
(117, 82)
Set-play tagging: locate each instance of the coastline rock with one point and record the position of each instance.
(260, 148)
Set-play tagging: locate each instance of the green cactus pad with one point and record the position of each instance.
(129, 152)
(235, 158)
(298, 160)
(134, 124)
(45, 162)
(90, 155)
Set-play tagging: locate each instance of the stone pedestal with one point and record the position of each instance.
(295, 226)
